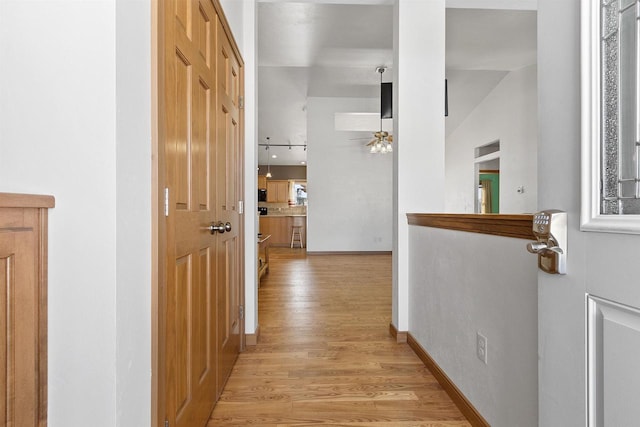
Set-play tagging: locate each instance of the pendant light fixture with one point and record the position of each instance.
(381, 144)
(268, 175)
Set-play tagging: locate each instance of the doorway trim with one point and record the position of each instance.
(158, 231)
(488, 152)
(591, 218)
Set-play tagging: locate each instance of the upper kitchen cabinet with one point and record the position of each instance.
(277, 191)
(262, 181)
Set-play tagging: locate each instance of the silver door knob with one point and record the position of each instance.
(219, 227)
(227, 226)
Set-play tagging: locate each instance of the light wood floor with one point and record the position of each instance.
(325, 356)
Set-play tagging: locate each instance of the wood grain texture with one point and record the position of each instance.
(452, 390)
(262, 182)
(23, 310)
(14, 200)
(228, 176)
(191, 265)
(279, 227)
(277, 191)
(517, 226)
(198, 146)
(325, 356)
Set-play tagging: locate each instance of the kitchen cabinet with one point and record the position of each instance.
(279, 227)
(262, 181)
(277, 191)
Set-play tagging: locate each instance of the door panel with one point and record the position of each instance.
(203, 174)
(202, 330)
(614, 366)
(200, 146)
(204, 34)
(18, 328)
(189, 152)
(182, 351)
(182, 129)
(228, 173)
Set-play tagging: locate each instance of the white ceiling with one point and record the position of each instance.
(482, 46)
(331, 49)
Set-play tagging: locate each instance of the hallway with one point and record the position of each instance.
(325, 356)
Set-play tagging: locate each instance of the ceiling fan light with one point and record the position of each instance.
(381, 142)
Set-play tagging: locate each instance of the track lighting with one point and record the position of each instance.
(268, 175)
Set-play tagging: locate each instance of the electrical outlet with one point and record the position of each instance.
(481, 347)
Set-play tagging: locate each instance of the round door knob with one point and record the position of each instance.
(219, 227)
(227, 226)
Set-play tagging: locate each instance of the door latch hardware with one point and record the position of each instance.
(219, 227)
(166, 201)
(550, 229)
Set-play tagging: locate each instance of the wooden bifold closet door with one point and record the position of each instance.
(202, 147)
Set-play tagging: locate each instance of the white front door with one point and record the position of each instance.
(589, 322)
(611, 209)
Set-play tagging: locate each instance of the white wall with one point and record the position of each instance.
(75, 123)
(235, 14)
(75, 126)
(133, 213)
(418, 168)
(58, 136)
(509, 115)
(458, 288)
(349, 189)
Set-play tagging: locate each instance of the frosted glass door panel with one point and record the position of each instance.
(620, 133)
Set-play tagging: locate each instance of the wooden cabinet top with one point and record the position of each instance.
(13, 200)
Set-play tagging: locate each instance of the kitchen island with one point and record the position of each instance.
(279, 227)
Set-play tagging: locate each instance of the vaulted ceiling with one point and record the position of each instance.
(330, 49)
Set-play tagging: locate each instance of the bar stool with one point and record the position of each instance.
(296, 231)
